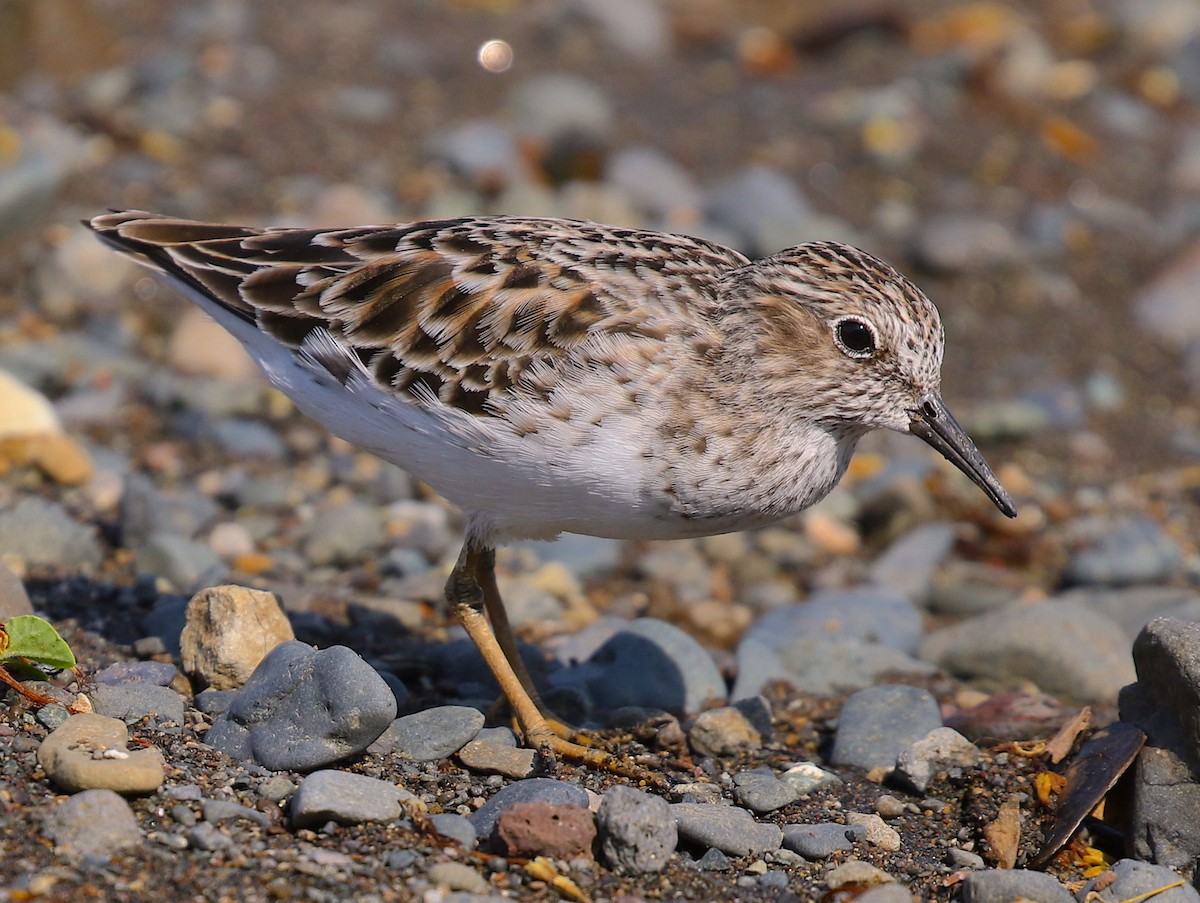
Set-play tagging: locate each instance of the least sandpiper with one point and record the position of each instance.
(552, 376)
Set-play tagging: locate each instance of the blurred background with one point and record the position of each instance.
(1034, 165)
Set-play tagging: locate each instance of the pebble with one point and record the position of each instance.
(806, 777)
(764, 208)
(960, 858)
(723, 731)
(160, 674)
(133, 702)
(199, 346)
(1132, 608)
(184, 563)
(485, 757)
(14, 601)
(758, 665)
(92, 823)
(558, 831)
(714, 860)
(208, 837)
(965, 242)
(877, 832)
(227, 810)
(303, 709)
(731, 830)
(39, 533)
(457, 876)
(343, 534)
(431, 734)
(346, 798)
(545, 790)
(1060, 644)
(1121, 552)
(87, 752)
(245, 437)
(556, 105)
(456, 827)
(1005, 885)
(1166, 306)
(656, 184)
(760, 792)
(856, 872)
(639, 29)
(146, 509)
(637, 831)
(651, 664)
(940, 748)
(1135, 879)
(820, 841)
(876, 723)
(228, 631)
(827, 667)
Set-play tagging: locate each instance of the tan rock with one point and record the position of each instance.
(87, 752)
(24, 411)
(228, 631)
(493, 758)
(199, 346)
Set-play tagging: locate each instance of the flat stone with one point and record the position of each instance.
(820, 841)
(133, 702)
(92, 823)
(87, 752)
(876, 723)
(304, 709)
(160, 674)
(761, 792)
(431, 734)
(184, 563)
(728, 828)
(637, 831)
(227, 810)
(228, 632)
(545, 790)
(346, 798)
(497, 758)
(856, 872)
(456, 827)
(941, 747)
(1006, 885)
(1122, 552)
(539, 828)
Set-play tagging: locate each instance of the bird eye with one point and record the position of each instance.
(855, 337)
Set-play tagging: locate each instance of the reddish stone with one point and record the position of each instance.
(542, 829)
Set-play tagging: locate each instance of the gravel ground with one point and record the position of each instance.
(1035, 166)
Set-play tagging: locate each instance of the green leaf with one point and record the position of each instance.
(32, 638)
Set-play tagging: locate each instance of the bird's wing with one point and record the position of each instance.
(464, 313)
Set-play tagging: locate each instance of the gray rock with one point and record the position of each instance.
(207, 836)
(941, 747)
(1006, 885)
(965, 859)
(965, 242)
(227, 810)
(344, 534)
(651, 664)
(637, 831)
(214, 702)
(760, 792)
(757, 666)
(876, 723)
(133, 702)
(1061, 645)
(907, 566)
(640, 29)
(655, 183)
(874, 615)
(1122, 552)
(825, 667)
(532, 790)
(303, 709)
(714, 860)
(1167, 306)
(886, 893)
(486, 757)
(764, 207)
(160, 674)
(821, 841)
(728, 828)
(245, 437)
(42, 534)
(346, 798)
(1135, 878)
(92, 823)
(555, 105)
(146, 510)
(184, 563)
(431, 734)
(1132, 608)
(456, 827)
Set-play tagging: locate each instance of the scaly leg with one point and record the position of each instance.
(466, 595)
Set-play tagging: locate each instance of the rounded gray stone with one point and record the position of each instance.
(546, 790)
(1135, 878)
(456, 827)
(1005, 885)
(875, 615)
(727, 828)
(133, 702)
(876, 723)
(820, 841)
(761, 792)
(431, 734)
(346, 798)
(637, 831)
(92, 823)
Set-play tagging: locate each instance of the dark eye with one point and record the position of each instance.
(855, 337)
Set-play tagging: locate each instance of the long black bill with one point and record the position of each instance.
(937, 426)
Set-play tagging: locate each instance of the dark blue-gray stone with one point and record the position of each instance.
(132, 702)
(1005, 885)
(876, 723)
(822, 840)
(545, 790)
(456, 827)
(432, 734)
(763, 792)
(728, 828)
(303, 709)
